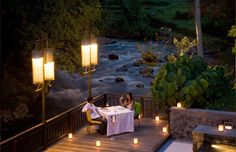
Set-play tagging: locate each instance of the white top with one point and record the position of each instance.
(93, 108)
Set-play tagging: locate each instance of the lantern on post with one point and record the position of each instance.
(42, 71)
(89, 52)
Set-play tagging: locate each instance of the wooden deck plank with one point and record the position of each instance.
(149, 135)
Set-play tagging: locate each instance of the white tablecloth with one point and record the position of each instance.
(119, 119)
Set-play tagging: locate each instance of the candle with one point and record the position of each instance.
(98, 143)
(228, 127)
(135, 141)
(139, 116)
(164, 129)
(70, 135)
(178, 105)
(157, 118)
(221, 128)
(113, 119)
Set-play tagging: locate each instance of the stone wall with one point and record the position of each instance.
(183, 121)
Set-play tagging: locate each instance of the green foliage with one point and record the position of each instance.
(217, 16)
(131, 20)
(190, 81)
(63, 23)
(184, 45)
(232, 33)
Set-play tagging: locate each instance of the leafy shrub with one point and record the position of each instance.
(190, 81)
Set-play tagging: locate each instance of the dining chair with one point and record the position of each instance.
(91, 122)
(137, 112)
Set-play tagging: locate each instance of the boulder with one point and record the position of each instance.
(122, 69)
(119, 79)
(140, 85)
(113, 57)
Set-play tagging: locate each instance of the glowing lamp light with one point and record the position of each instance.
(49, 65)
(37, 68)
(85, 55)
(157, 118)
(98, 143)
(70, 135)
(179, 105)
(94, 54)
(228, 127)
(220, 127)
(164, 129)
(49, 71)
(139, 116)
(89, 54)
(135, 141)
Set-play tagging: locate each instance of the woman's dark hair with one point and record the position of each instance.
(89, 99)
(131, 96)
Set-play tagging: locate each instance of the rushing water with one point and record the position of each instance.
(71, 88)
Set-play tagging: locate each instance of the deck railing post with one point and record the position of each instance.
(155, 107)
(142, 106)
(69, 123)
(44, 137)
(105, 99)
(14, 147)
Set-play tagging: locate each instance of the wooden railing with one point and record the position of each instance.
(41, 136)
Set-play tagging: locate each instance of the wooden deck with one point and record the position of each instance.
(149, 134)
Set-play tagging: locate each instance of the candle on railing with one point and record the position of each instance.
(179, 105)
(164, 129)
(70, 135)
(135, 141)
(228, 127)
(221, 127)
(157, 118)
(98, 143)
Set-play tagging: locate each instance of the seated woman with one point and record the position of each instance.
(129, 102)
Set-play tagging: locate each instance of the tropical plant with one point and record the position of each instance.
(190, 81)
(183, 45)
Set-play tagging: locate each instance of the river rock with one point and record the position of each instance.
(160, 60)
(122, 69)
(146, 71)
(113, 57)
(103, 56)
(119, 79)
(140, 85)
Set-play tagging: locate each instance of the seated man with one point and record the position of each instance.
(95, 115)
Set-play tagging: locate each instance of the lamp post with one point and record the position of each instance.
(43, 73)
(89, 52)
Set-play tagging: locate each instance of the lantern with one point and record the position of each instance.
(220, 127)
(70, 135)
(49, 66)
(94, 54)
(179, 105)
(135, 141)
(85, 55)
(37, 67)
(164, 129)
(98, 143)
